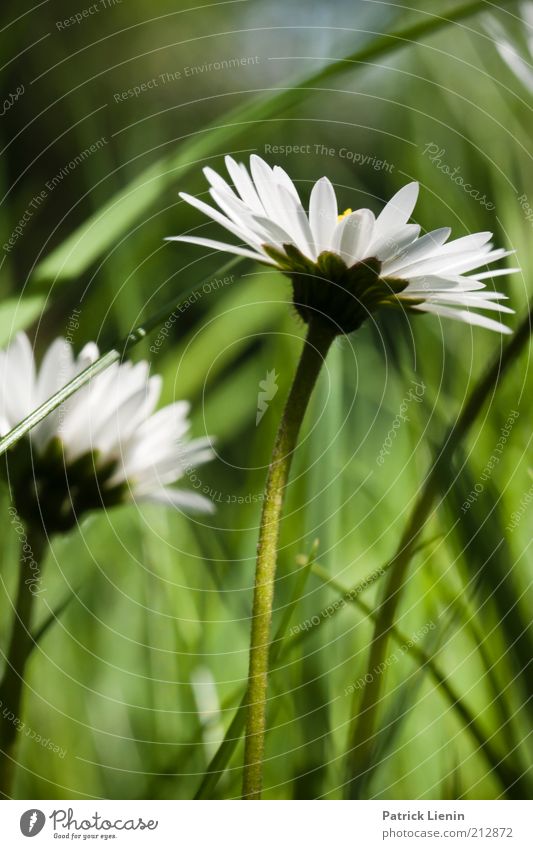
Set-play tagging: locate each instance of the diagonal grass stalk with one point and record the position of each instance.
(502, 764)
(317, 343)
(281, 647)
(364, 722)
(105, 227)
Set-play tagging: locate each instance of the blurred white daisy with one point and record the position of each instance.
(371, 261)
(516, 47)
(103, 446)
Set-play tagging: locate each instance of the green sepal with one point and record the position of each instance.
(49, 490)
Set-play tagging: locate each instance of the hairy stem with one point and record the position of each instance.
(317, 343)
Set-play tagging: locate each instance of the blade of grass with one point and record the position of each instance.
(479, 635)
(480, 534)
(114, 220)
(364, 722)
(502, 767)
(501, 764)
(17, 314)
(54, 615)
(409, 542)
(236, 729)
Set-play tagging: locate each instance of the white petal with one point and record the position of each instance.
(264, 183)
(465, 316)
(454, 265)
(434, 283)
(323, 214)
(221, 246)
(300, 229)
(88, 422)
(283, 179)
(242, 217)
(88, 355)
(19, 387)
(77, 411)
(181, 499)
(57, 369)
(274, 234)
(397, 211)
(244, 185)
(386, 247)
(237, 229)
(496, 272)
(133, 397)
(356, 235)
(472, 242)
(217, 182)
(274, 201)
(478, 302)
(421, 249)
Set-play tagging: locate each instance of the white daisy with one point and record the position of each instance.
(371, 261)
(103, 446)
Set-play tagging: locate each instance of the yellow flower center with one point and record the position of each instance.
(344, 214)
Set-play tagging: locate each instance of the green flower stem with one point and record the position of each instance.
(317, 343)
(363, 725)
(19, 648)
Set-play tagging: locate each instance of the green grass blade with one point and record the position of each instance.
(17, 314)
(107, 226)
(481, 535)
(502, 765)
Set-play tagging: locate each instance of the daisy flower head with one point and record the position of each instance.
(104, 446)
(344, 267)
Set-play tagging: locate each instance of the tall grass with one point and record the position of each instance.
(157, 596)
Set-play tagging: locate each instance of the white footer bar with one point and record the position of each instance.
(268, 825)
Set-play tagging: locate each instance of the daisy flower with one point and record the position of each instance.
(344, 267)
(103, 446)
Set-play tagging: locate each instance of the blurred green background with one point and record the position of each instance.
(139, 677)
